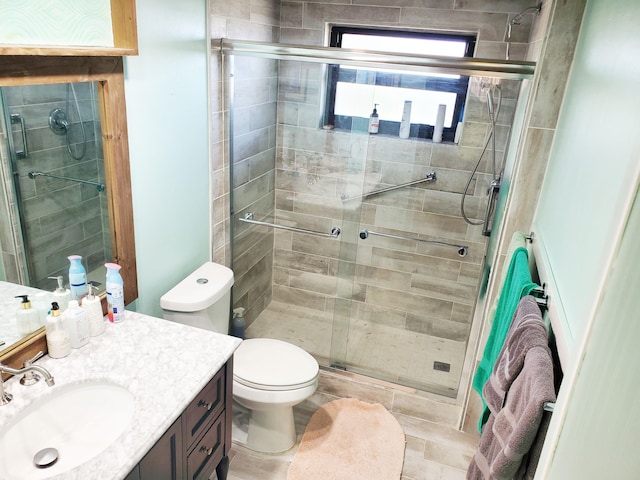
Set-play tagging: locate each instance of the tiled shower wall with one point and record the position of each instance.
(308, 183)
(60, 212)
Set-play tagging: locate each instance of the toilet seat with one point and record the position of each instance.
(273, 365)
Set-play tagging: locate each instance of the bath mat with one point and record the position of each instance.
(350, 440)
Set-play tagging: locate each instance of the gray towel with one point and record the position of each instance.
(521, 382)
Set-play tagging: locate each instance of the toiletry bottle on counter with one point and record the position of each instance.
(405, 123)
(374, 120)
(28, 318)
(61, 295)
(58, 344)
(77, 278)
(238, 323)
(93, 309)
(75, 322)
(115, 293)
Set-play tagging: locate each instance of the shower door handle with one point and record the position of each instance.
(494, 189)
(24, 153)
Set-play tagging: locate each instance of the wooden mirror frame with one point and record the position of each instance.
(108, 74)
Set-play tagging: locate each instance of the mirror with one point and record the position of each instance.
(76, 76)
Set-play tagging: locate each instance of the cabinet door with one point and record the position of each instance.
(165, 461)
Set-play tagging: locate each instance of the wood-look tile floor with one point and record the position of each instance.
(435, 450)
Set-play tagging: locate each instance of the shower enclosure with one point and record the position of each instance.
(351, 245)
(53, 200)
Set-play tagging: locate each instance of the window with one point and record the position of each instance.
(353, 91)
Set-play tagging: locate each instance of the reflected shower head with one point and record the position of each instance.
(518, 18)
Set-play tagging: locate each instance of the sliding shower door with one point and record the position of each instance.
(352, 245)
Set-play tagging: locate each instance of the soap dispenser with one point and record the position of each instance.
(61, 295)
(115, 293)
(77, 278)
(374, 120)
(58, 344)
(93, 309)
(28, 318)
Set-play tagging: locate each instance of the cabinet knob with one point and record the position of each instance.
(208, 450)
(208, 405)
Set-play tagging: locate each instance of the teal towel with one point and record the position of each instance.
(517, 284)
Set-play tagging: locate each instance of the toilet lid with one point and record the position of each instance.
(269, 364)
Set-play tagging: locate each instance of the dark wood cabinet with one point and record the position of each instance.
(198, 442)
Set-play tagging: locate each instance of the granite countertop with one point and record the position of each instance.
(162, 363)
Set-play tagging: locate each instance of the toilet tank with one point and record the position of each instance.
(202, 299)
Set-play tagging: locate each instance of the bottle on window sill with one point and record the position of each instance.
(374, 120)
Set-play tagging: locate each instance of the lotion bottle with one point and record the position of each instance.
(77, 278)
(58, 344)
(75, 322)
(28, 318)
(61, 295)
(93, 309)
(374, 120)
(115, 293)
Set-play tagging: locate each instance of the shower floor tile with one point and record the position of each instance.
(386, 352)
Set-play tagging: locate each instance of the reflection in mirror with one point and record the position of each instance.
(85, 97)
(55, 195)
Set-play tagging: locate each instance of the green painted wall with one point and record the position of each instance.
(166, 90)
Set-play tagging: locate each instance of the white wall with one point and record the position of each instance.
(166, 87)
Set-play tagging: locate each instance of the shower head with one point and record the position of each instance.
(518, 18)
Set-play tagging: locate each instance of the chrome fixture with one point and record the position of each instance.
(19, 119)
(31, 377)
(515, 70)
(58, 121)
(516, 21)
(248, 218)
(462, 250)
(100, 186)
(6, 397)
(430, 177)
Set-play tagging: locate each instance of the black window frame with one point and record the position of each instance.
(335, 74)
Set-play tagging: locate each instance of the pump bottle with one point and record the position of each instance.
(238, 323)
(58, 344)
(28, 318)
(374, 120)
(77, 278)
(115, 293)
(93, 309)
(61, 295)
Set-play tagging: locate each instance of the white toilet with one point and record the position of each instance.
(269, 376)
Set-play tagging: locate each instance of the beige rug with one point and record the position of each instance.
(350, 440)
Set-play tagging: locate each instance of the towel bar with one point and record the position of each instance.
(549, 406)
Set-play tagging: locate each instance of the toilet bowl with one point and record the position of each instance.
(270, 376)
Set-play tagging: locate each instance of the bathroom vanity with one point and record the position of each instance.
(179, 379)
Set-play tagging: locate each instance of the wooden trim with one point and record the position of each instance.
(67, 51)
(124, 24)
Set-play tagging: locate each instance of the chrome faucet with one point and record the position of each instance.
(29, 367)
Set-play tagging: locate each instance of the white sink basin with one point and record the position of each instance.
(78, 420)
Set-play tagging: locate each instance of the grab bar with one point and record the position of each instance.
(248, 218)
(430, 177)
(462, 249)
(17, 118)
(100, 186)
